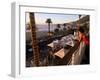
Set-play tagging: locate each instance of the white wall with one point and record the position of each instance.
(5, 39)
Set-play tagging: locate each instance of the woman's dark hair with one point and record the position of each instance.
(81, 30)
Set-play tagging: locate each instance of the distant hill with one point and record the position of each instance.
(84, 19)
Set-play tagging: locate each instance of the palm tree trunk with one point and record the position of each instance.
(79, 22)
(49, 28)
(34, 41)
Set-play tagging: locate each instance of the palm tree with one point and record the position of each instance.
(34, 41)
(49, 22)
(80, 16)
(58, 26)
(79, 21)
(64, 26)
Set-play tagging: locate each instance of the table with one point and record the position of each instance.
(63, 57)
(60, 53)
(51, 45)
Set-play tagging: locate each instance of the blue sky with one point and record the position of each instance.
(40, 18)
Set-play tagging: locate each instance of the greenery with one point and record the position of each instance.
(59, 31)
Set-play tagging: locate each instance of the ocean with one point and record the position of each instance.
(45, 27)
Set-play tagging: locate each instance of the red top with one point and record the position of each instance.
(85, 40)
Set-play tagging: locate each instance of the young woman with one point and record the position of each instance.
(83, 38)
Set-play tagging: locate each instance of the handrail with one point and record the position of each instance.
(70, 61)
